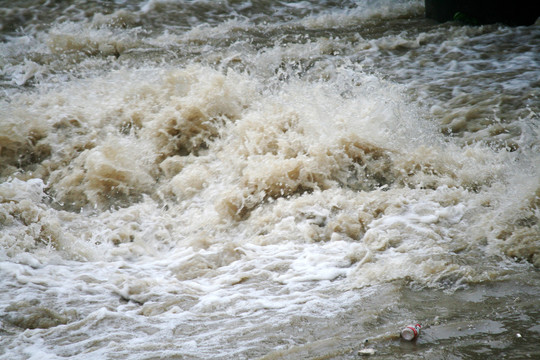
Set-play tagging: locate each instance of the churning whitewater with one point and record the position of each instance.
(266, 180)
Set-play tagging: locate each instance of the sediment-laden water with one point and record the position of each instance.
(266, 180)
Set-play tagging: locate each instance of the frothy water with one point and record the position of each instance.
(276, 180)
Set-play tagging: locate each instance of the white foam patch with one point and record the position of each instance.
(18, 190)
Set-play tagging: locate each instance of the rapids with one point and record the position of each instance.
(266, 180)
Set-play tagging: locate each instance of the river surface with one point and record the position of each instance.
(266, 180)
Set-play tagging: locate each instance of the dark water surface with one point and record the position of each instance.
(266, 180)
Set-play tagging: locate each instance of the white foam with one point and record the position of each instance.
(18, 190)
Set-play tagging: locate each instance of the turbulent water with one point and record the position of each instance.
(266, 180)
